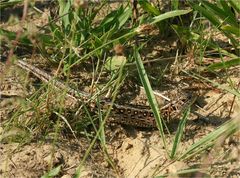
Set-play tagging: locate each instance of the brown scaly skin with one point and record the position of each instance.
(134, 115)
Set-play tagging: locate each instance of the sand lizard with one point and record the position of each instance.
(134, 115)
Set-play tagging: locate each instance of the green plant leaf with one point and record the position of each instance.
(224, 13)
(64, 11)
(170, 14)
(149, 92)
(235, 4)
(224, 64)
(12, 36)
(205, 12)
(227, 129)
(179, 132)
(115, 62)
(154, 11)
(213, 14)
(186, 35)
(229, 11)
(124, 17)
(127, 35)
(52, 173)
(175, 4)
(231, 29)
(149, 8)
(116, 19)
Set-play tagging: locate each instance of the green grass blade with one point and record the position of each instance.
(127, 35)
(224, 13)
(213, 14)
(12, 36)
(151, 98)
(65, 8)
(169, 15)
(179, 133)
(235, 5)
(231, 29)
(231, 16)
(81, 164)
(215, 84)
(149, 8)
(124, 17)
(227, 129)
(53, 172)
(175, 4)
(223, 65)
(206, 13)
(116, 19)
